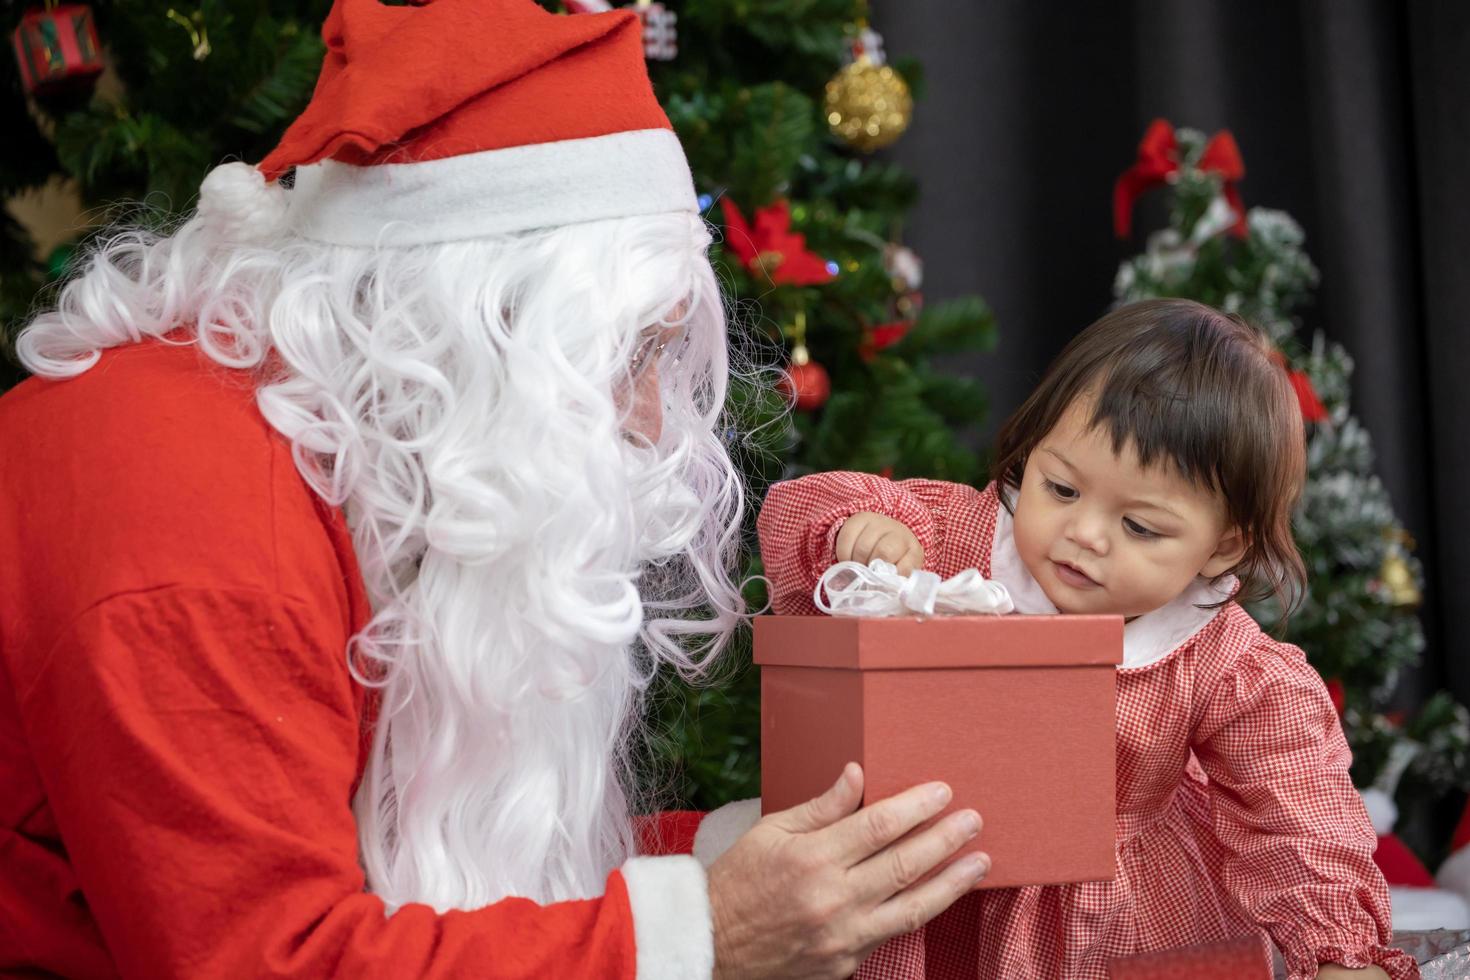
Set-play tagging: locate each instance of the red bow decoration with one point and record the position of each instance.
(1306, 396)
(771, 248)
(1158, 159)
(1312, 408)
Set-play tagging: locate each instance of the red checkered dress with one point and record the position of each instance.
(1235, 810)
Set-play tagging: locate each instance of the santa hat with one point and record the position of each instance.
(1454, 873)
(459, 119)
(1417, 903)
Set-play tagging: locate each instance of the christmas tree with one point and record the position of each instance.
(1357, 621)
(194, 87)
(777, 105)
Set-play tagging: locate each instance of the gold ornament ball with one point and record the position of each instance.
(868, 105)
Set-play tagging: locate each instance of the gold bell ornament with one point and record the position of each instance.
(1395, 577)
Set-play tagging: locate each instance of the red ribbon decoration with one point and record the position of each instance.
(882, 336)
(1158, 159)
(1313, 410)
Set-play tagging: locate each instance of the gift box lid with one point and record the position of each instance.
(915, 643)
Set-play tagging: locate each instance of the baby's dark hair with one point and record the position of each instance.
(1188, 385)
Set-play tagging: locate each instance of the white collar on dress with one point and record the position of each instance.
(1147, 640)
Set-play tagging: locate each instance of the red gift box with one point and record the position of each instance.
(1242, 958)
(1015, 713)
(56, 47)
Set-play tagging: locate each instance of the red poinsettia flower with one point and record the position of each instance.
(770, 248)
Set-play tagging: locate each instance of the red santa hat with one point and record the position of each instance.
(458, 119)
(1417, 903)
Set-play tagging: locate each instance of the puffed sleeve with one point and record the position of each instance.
(1296, 841)
(799, 521)
(199, 749)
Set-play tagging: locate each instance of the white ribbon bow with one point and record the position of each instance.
(877, 589)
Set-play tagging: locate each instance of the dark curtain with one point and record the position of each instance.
(1352, 115)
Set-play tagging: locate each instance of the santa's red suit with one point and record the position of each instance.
(179, 734)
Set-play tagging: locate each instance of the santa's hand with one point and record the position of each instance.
(810, 891)
(866, 535)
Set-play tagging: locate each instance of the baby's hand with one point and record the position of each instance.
(1329, 971)
(865, 536)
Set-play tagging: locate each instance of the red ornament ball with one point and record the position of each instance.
(807, 384)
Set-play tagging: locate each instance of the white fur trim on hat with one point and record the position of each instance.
(493, 192)
(672, 929)
(1383, 813)
(1427, 908)
(722, 827)
(1454, 873)
(239, 205)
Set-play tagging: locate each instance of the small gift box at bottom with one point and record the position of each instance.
(1015, 713)
(1241, 958)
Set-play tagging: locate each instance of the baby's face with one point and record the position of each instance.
(1101, 534)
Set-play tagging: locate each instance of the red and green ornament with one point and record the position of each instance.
(57, 49)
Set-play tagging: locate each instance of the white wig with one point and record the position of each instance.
(529, 562)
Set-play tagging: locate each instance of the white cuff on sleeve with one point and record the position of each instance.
(1453, 874)
(672, 929)
(722, 827)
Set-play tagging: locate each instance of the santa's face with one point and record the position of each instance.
(641, 397)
